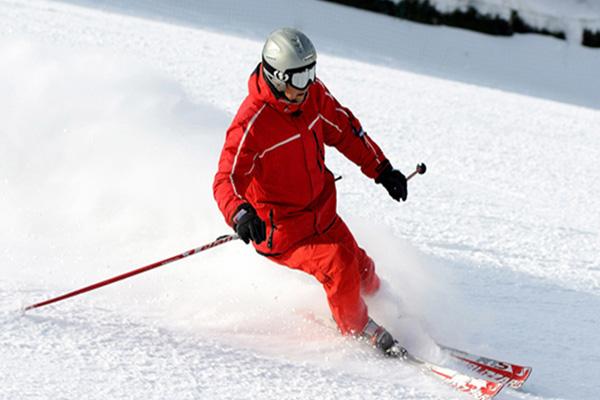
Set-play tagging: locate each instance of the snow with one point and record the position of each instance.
(113, 118)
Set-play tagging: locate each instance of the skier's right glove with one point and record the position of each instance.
(248, 225)
(394, 182)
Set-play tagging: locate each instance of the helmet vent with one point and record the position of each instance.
(298, 44)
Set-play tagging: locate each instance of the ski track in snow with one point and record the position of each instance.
(504, 220)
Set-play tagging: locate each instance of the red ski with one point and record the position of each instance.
(478, 388)
(503, 372)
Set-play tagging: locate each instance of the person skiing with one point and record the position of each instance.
(274, 189)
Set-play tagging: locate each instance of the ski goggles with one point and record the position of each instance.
(302, 77)
(298, 78)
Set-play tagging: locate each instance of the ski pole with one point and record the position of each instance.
(219, 241)
(421, 169)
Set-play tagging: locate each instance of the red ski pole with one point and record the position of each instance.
(219, 241)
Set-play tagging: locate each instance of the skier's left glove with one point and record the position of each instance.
(394, 182)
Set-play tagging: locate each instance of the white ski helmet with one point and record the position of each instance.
(289, 57)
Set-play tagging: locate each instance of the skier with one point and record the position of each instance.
(274, 189)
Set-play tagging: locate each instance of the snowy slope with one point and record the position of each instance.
(113, 117)
(555, 71)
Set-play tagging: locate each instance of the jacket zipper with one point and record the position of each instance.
(270, 241)
(319, 154)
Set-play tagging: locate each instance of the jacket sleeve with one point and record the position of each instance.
(234, 171)
(343, 131)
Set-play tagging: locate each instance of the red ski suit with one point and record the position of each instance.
(273, 158)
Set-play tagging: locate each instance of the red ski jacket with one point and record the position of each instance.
(273, 158)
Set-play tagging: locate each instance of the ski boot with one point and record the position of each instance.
(382, 340)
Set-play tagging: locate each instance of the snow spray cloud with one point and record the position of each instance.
(100, 156)
(408, 299)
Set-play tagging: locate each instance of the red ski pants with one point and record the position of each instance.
(344, 270)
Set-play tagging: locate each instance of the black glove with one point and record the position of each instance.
(394, 182)
(248, 225)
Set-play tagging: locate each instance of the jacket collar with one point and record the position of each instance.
(259, 89)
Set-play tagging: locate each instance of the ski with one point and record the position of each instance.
(478, 388)
(503, 372)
